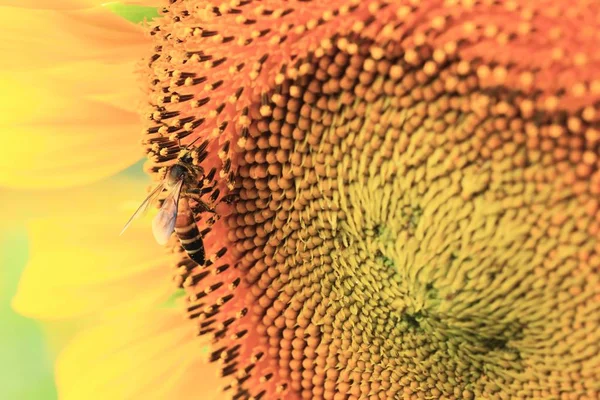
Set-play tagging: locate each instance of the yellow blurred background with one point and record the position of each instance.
(26, 361)
(28, 348)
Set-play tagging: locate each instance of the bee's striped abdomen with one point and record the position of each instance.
(188, 233)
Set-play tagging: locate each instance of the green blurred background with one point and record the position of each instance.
(26, 355)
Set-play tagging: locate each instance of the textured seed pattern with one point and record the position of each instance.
(407, 194)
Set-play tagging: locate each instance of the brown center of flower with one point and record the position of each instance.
(405, 244)
(413, 215)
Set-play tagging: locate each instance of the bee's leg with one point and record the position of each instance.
(192, 191)
(192, 194)
(232, 197)
(201, 203)
(195, 194)
(200, 191)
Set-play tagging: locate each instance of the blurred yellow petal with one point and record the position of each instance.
(70, 96)
(79, 264)
(148, 356)
(20, 205)
(87, 80)
(45, 38)
(72, 4)
(52, 4)
(63, 140)
(149, 3)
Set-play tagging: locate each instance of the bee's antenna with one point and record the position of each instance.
(191, 143)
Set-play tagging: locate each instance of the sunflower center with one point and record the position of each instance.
(417, 213)
(392, 231)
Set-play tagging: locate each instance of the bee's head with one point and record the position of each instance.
(176, 173)
(184, 168)
(185, 156)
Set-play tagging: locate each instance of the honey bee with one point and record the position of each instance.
(183, 181)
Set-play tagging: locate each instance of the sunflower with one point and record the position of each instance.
(406, 195)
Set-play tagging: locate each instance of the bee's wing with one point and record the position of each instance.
(144, 206)
(164, 222)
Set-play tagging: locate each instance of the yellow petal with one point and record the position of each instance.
(69, 96)
(79, 265)
(115, 84)
(152, 356)
(23, 205)
(148, 3)
(61, 141)
(53, 4)
(72, 4)
(46, 38)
